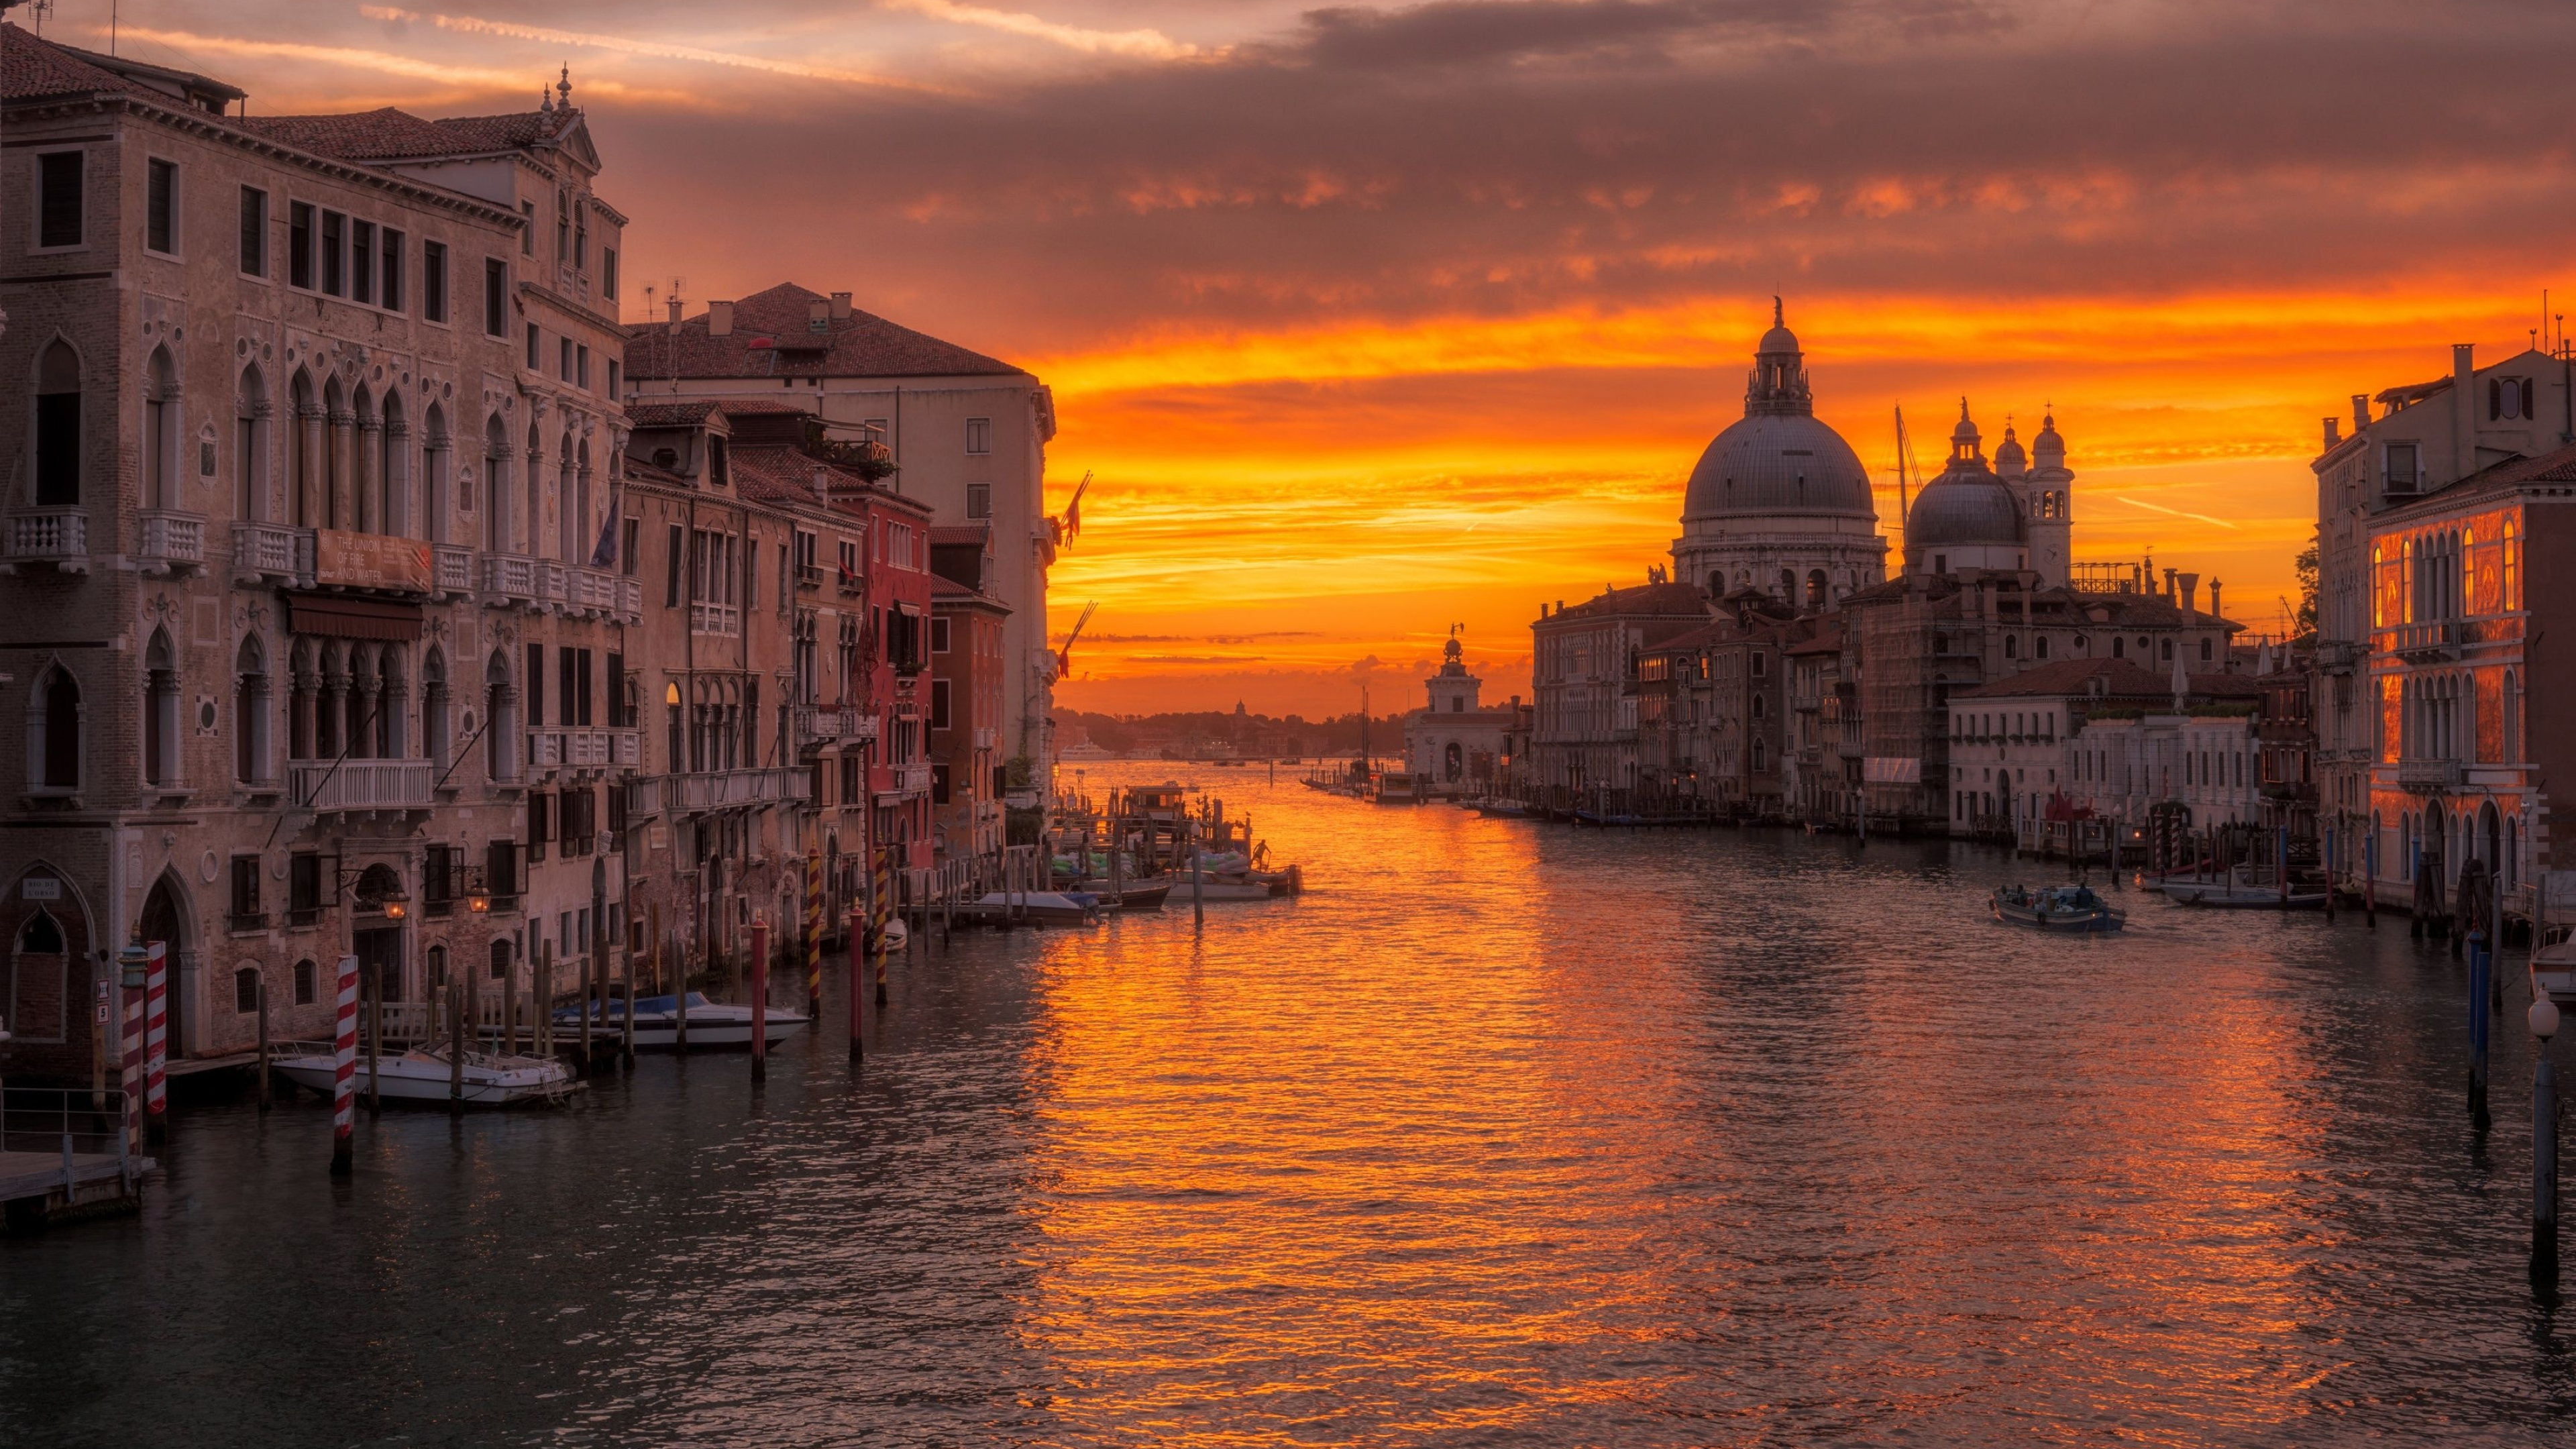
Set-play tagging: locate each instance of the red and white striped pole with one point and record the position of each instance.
(344, 1070)
(133, 1067)
(759, 998)
(156, 1044)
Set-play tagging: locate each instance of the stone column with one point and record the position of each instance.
(366, 723)
(333, 716)
(302, 723)
(399, 509)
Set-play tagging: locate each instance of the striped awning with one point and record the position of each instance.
(333, 616)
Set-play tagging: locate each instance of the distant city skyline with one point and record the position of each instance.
(1368, 321)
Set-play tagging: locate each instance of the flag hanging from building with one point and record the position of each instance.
(603, 555)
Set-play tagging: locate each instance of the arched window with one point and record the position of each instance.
(307, 986)
(2512, 552)
(676, 754)
(393, 471)
(1818, 588)
(251, 713)
(434, 465)
(393, 705)
(2039, 647)
(500, 716)
(567, 526)
(535, 534)
(304, 480)
(2119, 647)
(58, 427)
(433, 708)
(582, 534)
(54, 724)
(499, 957)
(161, 711)
(2012, 647)
(2510, 708)
(339, 423)
(434, 961)
(496, 487)
(246, 990)
(365, 476)
(2168, 651)
(161, 428)
(2204, 651)
(250, 447)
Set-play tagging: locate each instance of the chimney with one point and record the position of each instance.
(2334, 433)
(675, 309)
(2172, 594)
(2190, 594)
(2464, 380)
(2214, 611)
(2360, 413)
(719, 319)
(840, 306)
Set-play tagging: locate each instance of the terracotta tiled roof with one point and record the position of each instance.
(1665, 599)
(945, 590)
(859, 345)
(950, 534)
(391, 134)
(639, 471)
(2125, 678)
(778, 474)
(30, 68)
(668, 414)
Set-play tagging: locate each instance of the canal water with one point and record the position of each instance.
(1503, 1134)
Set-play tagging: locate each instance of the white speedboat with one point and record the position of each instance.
(711, 1023)
(2243, 895)
(425, 1075)
(2553, 973)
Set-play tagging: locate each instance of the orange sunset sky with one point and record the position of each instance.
(1369, 320)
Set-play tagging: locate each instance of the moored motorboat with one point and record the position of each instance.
(711, 1023)
(2056, 908)
(427, 1076)
(2225, 894)
(1144, 897)
(1047, 908)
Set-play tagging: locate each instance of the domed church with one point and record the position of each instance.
(2007, 516)
(1779, 502)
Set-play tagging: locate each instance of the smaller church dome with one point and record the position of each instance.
(2009, 459)
(1966, 431)
(1964, 510)
(1779, 339)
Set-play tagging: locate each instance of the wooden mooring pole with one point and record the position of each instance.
(264, 1092)
(759, 997)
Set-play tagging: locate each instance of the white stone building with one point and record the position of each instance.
(1454, 744)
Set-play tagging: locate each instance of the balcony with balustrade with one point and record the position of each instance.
(738, 789)
(2425, 643)
(55, 538)
(453, 566)
(2428, 777)
(172, 542)
(272, 553)
(2339, 656)
(510, 581)
(344, 786)
(599, 594)
(583, 747)
(724, 621)
(904, 782)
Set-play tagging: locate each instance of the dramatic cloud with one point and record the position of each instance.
(1371, 318)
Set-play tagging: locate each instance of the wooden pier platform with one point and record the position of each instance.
(39, 1188)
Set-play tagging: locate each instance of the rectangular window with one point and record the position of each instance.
(60, 204)
(362, 262)
(671, 585)
(536, 686)
(719, 470)
(496, 304)
(541, 824)
(612, 379)
(979, 500)
(528, 228)
(254, 232)
(534, 338)
(979, 435)
(391, 248)
(502, 873)
(299, 245)
(582, 679)
(2401, 468)
(563, 360)
(335, 254)
(581, 366)
(161, 206)
(615, 683)
(626, 561)
(608, 272)
(303, 888)
(246, 912)
(581, 237)
(939, 704)
(938, 784)
(433, 281)
(938, 636)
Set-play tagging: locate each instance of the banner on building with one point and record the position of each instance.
(370, 561)
(1891, 770)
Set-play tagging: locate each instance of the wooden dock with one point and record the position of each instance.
(61, 1159)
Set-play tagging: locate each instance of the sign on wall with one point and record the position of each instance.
(370, 561)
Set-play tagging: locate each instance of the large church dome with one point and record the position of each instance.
(1778, 459)
(1971, 516)
(1778, 463)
